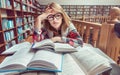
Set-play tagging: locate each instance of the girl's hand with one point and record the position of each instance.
(42, 17)
(47, 12)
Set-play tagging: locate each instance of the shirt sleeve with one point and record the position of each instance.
(73, 37)
(39, 35)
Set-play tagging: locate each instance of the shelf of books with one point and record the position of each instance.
(16, 21)
(82, 11)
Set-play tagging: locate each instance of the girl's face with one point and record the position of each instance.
(55, 19)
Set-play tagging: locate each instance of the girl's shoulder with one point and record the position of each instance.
(71, 26)
(43, 29)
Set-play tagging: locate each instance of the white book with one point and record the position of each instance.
(96, 50)
(25, 59)
(56, 47)
(70, 67)
(16, 48)
(9, 73)
(44, 44)
(91, 62)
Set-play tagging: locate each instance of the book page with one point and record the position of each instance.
(48, 59)
(70, 67)
(97, 50)
(19, 60)
(19, 73)
(103, 54)
(90, 61)
(16, 47)
(43, 44)
(64, 47)
(9, 73)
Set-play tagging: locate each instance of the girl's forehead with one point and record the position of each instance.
(54, 12)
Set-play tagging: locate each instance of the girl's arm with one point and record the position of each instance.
(38, 32)
(73, 38)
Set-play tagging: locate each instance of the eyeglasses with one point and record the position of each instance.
(57, 16)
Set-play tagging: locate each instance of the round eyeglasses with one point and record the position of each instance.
(57, 16)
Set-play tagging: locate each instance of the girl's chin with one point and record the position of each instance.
(56, 27)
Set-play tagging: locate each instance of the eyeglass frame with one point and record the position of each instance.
(54, 16)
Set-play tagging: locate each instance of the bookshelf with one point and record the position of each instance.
(86, 12)
(80, 11)
(16, 20)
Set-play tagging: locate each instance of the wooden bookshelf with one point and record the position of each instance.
(80, 11)
(91, 13)
(16, 20)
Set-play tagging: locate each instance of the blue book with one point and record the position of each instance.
(25, 59)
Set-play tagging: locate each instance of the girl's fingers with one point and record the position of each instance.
(48, 10)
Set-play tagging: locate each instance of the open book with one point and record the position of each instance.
(15, 48)
(24, 60)
(57, 47)
(90, 62)
(84, 62)
(70, 67)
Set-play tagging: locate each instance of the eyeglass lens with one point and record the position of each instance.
(51, 17)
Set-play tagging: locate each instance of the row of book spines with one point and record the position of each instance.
(8, 23)
(85, 12)
(29, 2)
(7, 4)
(28, 9)
(10, 44)
(13, 42)
(9, 35)
(24, 7)
(16, 14)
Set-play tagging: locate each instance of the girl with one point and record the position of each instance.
(56, 25)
